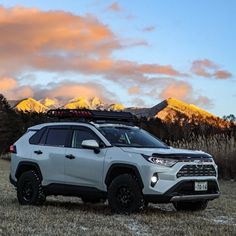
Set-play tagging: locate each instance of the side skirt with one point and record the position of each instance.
(73, 191)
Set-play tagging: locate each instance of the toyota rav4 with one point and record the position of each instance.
(104, 156)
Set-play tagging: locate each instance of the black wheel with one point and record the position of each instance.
(190, 206)
(94, 200)
(124, 195)
(29, 189)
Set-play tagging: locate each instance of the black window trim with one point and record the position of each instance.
(45, 135)
(70, 128)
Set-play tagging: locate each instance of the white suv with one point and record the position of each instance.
(106, 157)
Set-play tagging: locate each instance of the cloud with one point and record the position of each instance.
(57, 41)
(134, 90)
(12, 90)
(184, 91)
(7, 83)
(222, 74)
(203, 101)
(69, 89)
(42, 36)
(149, 28)
(179, 90)
(139, 102)
(115, 7)
(82, 44)
(159, 69)
(209, 69)
(64, 90)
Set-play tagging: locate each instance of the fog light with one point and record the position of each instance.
(154, 179)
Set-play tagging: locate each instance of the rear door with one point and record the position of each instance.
(85, 167)
(50, 153)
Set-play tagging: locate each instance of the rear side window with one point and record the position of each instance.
(35, 139)
(57, 137)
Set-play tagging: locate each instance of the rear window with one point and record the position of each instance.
(57, 137)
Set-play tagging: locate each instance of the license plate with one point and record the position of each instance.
(200, 186)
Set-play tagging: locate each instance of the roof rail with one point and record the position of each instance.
(91, 115)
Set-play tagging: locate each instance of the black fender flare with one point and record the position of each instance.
(26, 165)
(126, 167)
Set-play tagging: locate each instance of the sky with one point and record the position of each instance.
(137, 53)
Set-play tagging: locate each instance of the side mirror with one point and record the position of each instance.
(91, 144)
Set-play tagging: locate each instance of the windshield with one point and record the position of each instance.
(130, 137)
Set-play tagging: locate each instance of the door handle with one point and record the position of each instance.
(70, 156)
(39, 152)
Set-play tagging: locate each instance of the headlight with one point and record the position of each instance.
(161, 161)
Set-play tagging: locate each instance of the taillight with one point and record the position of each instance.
(12, 149)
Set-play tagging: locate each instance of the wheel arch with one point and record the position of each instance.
(121, 168)
(24, 166)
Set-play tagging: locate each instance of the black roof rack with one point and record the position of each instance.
(91, 115)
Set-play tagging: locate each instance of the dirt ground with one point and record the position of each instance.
(69, 216)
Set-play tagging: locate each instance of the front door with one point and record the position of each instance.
(84, 167)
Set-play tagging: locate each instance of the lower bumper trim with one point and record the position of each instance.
(195, 197)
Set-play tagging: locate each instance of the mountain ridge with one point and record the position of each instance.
(169, 110)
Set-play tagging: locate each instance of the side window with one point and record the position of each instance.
(35, 139)
(79, 135)
(56, 137)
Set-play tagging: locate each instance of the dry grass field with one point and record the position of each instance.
(68, 216)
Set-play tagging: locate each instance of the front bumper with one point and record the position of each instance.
(184, 191)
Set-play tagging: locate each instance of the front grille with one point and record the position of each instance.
(196, 170)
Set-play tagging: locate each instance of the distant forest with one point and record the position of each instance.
(217, 141)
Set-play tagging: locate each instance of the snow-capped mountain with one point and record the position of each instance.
(30, 105)
(50, 103)
(42, 105)
(170, 110)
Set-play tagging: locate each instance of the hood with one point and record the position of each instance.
(173, 153)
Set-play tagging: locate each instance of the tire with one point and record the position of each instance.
(29, 189)
(124, 195)
(93, 200)
(190, 206)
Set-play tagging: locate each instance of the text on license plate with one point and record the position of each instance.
(200, 186)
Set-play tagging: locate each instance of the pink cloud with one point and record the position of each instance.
(59, 41)
(81, 44)
(7, 83)
(179, 90)
(115, 6)
(134, 90)
(203, 101)
(149, 28)
(209, 69)
(184, 91)
(222, 74)
(12, 90)
(41, 35)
